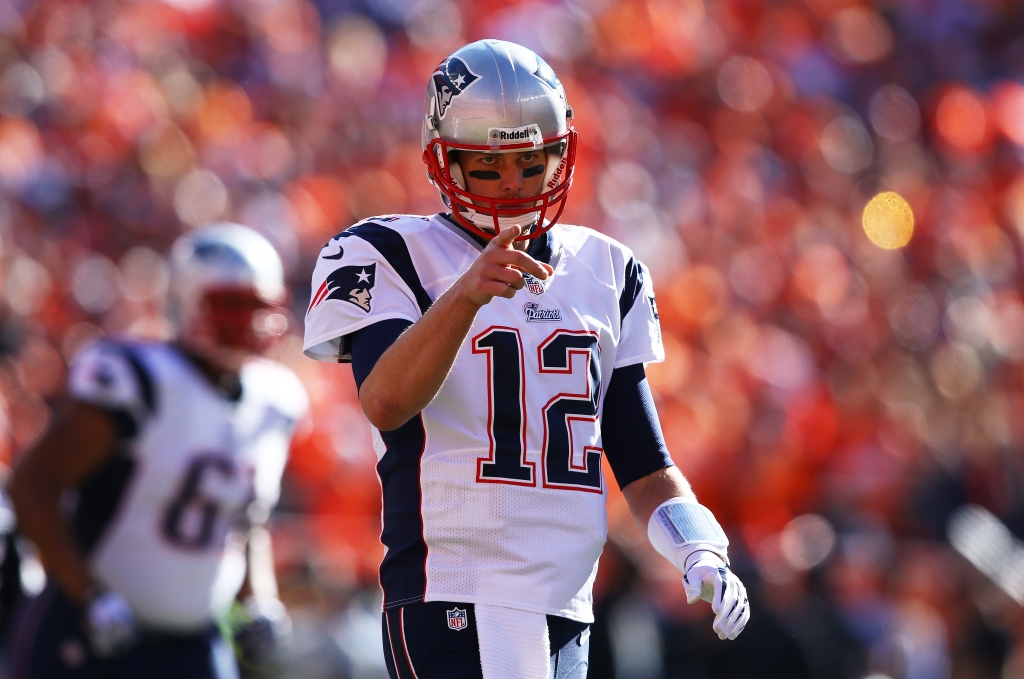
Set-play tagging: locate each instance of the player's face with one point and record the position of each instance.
(504, 175)
(235, 324)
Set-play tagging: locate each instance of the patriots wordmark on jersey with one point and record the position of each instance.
(160, 522)
(494, 493)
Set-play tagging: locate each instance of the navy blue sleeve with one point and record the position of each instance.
(633, 441)
(369, 344)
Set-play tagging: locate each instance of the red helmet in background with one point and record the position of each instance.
(227, 289)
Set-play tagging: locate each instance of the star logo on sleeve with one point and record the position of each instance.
(350, 284)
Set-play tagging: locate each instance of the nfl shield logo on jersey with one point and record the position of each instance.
(533, 284)
(457, 619)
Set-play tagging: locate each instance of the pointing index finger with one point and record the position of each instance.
(506, 236)
(524, 262)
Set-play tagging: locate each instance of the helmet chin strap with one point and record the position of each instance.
(486, 221)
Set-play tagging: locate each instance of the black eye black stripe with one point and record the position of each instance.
(533, 171)
(485, 174)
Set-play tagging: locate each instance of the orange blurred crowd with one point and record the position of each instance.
(834, 402)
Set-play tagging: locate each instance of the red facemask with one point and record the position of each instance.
(239, 319)
(549, 203)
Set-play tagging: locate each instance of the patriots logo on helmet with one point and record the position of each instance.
(350, 284)
(451, 79)
(548, 77)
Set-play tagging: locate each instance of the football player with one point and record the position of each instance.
(500, 356)
(140, 495)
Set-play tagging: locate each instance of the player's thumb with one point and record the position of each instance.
(692, 586)
(506, 236)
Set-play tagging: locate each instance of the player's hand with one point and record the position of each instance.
(110, 624)
(710, 579)
(496, 272)
(262, 630)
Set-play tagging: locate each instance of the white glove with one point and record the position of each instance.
(110, 624)
(710, 579)
(688, 535)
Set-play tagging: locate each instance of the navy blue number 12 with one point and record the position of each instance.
(506, 399)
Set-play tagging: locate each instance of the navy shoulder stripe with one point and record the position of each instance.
(142, 375)
(631, 290)
(390, 244)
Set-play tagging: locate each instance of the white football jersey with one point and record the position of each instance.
(162, 521)
(494, 493)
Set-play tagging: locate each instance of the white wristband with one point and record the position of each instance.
(679, 529)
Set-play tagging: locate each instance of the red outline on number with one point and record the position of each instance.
(585, 396)
(569, 419)
(490, 411)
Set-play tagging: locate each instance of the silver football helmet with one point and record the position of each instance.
(496, 96)
(224, 274)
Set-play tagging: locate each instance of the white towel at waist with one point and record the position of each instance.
(513, 644)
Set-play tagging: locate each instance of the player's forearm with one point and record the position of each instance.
(410, 373)
(647, 493)
(37, 506)
(262, 581)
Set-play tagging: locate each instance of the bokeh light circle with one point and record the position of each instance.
(893, 113)
(807, 541)
(961, 119)
(745, 84)
(888, 220)
(846, 145)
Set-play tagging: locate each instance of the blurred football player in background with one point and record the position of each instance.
(142, 494)
(500, 357)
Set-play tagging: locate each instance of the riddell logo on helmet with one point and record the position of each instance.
(553, 182)
(515, 135)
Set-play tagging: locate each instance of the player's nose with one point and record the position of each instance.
(512, 181)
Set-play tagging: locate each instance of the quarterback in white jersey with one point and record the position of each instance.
(509, 451)
(173, 453)
(500, 357)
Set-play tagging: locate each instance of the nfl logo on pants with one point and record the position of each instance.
(457, 619)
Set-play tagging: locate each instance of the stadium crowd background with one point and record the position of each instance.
(832, 401)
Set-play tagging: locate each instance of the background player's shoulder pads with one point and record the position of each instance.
(112, 376)
(280, 386)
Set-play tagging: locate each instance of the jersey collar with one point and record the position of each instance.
(543, 249)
